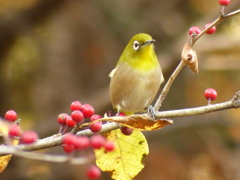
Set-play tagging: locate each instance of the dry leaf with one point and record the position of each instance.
(126, 161)
(189, 57)
(4, 162)
(139, 122)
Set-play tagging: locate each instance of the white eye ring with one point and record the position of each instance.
(136, 45)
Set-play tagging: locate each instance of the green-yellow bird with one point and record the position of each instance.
(136, 78)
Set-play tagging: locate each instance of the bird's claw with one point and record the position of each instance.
(151, 112)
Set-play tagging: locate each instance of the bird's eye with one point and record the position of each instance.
(136, 45)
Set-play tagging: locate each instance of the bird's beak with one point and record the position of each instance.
(149, 42)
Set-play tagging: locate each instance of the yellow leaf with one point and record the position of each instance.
(139, 122)
(126, 161)
(4, 128)
(4, 162)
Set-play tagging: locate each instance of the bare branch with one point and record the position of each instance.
(56, 140)
(42, 157)
(234, 103)
(167, 86)
(195, 111)
(181, 64)
(232, 13)
(217, 21)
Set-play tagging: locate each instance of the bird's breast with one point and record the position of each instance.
(133, 89)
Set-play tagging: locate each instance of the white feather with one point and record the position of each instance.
(111, 74)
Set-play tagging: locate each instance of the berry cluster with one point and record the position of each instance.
(15, 131)
(78, 114)
(72, 143)
(196, 30)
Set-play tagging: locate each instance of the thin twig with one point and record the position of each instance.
(167, 86)
(234, 103)
(195, 111)
(214, 23)
(56, 140)
(42, 157)
(232, 13)
(181, 64)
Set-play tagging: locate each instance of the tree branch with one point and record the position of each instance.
(195, 111)
(234, 103)
(167, 86)
(217, 21)
(181, 64)
(56, 140)
(42, 157)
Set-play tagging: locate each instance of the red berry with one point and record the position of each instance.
(70, 122)
(126, 131)
(77, 116)
(194, 29)
(28, 137)
(68, 148)
(224, 2)
(76, 105)
(122, 114)
(93, 172)
(62, 118)
(211, 30)
(81, 142)
(87, 110)
(69, 139)
(210, 94)
(109, 146)
(95, 117)
(97, 141)
(14, 130)
(11, 115)
(96, 127)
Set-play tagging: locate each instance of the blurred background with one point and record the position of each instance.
(53, 52)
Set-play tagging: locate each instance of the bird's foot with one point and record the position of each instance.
(151, 112)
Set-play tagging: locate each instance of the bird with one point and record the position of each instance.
(137, 76)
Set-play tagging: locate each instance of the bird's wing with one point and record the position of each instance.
(113, 72)
(162, 79)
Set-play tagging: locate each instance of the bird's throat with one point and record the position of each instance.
(146, 60)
